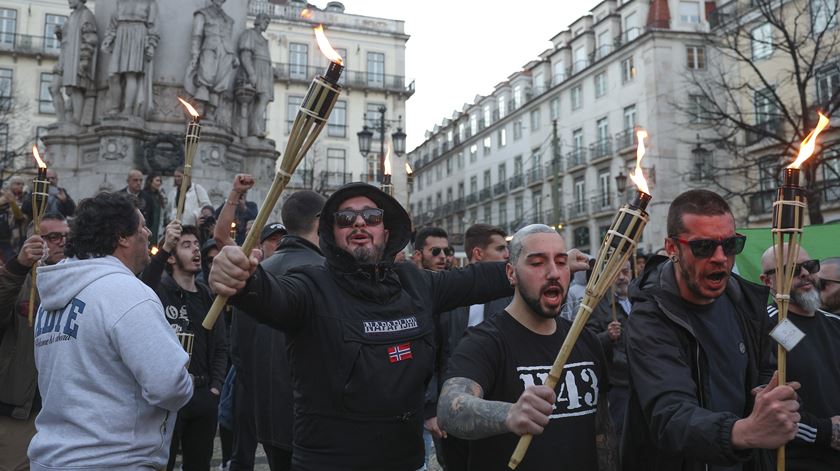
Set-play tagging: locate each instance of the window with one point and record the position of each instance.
(602, 131)
(535, 119)
(473, 124)
(5, 89)
(501, 105)
(696, 57)
(823, 15)
(701, 165)
(828, 84)
(460, 190)
(765, 107)
(449, 195)
(460, 160)
(603, 44)
(580, 59)
(438, 172)
(375, 69)
(373, 116)
(559, 72)
(343, 53)
(487, 209)
(689, 12)
(8, 26)
(51, 43)
(448, 166)
(502, 172)
(830, 177)
(337, 163)
(517, 165)
(473, 153)
(337, 124)
(473, 184)
(699, 108)
(517, 129)
(580, 195)
(762, 41)
(628, 70)
(536, 205)
(488, 182)
(517, 96)
(604, 188)
(554, 108)
(488, 116)
(631, 31)
(488, 146)
(600, 84)
(462, 131)
(502, 137)
(502, 213)
(629, 120)
(577, 97)
(4, 139)
(539, 83)
(577, 139)
(45, 101)
(581, 238)
(298, 60)
(518, 209)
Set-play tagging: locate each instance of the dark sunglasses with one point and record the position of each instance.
(371, 216)
(55, 236)
(448, 251)
(705, 248)
(812, 266)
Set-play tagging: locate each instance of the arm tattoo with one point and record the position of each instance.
(835, 436)
(463, 413)
(605, 441)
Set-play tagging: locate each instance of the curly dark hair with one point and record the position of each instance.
(98, 224)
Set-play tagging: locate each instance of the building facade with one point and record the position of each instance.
(547, 145)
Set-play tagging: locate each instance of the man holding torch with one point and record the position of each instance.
(698, 349)
(360, 331)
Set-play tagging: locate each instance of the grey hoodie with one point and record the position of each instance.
(110, 370)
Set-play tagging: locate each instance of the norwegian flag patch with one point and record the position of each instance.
(399, 353)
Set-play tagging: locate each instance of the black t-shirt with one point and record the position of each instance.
(720, 337)
(186, 316)
(504, 357)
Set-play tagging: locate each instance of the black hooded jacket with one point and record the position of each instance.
(361, 342)
(668, 426)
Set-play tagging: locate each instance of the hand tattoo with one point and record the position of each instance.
(463, 413)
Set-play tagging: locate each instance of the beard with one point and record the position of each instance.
(366, 255)
(184, 267)
(807, 300)
(537, 308)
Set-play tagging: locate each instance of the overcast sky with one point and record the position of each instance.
(462, 48)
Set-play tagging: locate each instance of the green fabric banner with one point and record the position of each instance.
(821, 241)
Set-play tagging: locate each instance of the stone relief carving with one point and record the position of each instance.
(114, 148)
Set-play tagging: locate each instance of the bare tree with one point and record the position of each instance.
(771, 64)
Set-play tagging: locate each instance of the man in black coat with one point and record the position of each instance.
(698, 349)
(360, 330)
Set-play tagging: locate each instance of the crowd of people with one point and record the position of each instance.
(353, 342)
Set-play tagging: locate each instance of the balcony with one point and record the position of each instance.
(771, 126)
(535, 176)
(500, 188)
(625, 140)
(550, 218)
(25, 44)
(334, 180)
(301, 179)
(604, 202)
(458, 205)
(515, 182)
(472, 199)
(575, 158)
(299, 73)
(485, 194)
(603, 51)
(629, 35)
(602, 148)
(761, 202)
(554, 167)
(371, 178)
(578, 209)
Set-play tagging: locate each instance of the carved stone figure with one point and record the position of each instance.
(212, 58)
(74, 71)
(131, 39)
(257, 75)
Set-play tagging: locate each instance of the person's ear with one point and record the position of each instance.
(511, 274)
(671, 249)
(477, 254)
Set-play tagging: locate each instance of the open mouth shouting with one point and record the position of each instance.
(552, 295)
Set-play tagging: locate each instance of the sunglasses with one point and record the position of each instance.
(448, 251)
(705, 248)
(371, 216)
(55, 236)
(812, 266)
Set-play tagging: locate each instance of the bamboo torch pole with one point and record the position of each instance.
(40, 194)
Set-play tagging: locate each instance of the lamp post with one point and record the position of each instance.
(621, 183)
(701, 160)
(397, 139)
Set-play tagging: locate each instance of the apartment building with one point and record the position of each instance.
(547, 145)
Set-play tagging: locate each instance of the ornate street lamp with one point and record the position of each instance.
(397, 138)
(621, 182)
(365, 138)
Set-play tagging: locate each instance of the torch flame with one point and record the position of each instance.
(325, 47)
(37, 155)
(189, 108)
(637, 175)
(154, 250)
(388, 161)
(306, 13)
(408, 170)
(233, 225)
(810, 143)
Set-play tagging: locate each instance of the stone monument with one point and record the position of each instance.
(131, 116)
(255, 83)
(74, 73)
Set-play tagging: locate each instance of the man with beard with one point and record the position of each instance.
(817, 443)
(185, 303)
(360, 330)
(495, 392)
(110, 370)
(19, 398)
(697, 347)
(606, 322)
(830, 284)
(431, 247)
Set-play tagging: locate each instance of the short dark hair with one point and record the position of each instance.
(301, 210)
(701, 202)
(479, 235)
(98, 224)
(53, 216)
(425, 233)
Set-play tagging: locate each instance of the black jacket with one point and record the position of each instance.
(667, 426)
(361, 343)
(273, 381)
(616, 352)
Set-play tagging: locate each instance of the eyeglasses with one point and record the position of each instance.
(448, 251)
(371, 216)
(55, 236)
(812, 266)
(705, 248)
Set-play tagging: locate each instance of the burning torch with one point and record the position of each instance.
(40, 194)
(190, 146)
(386, 185)
(788, 219)
(310, 120)
(619, 242)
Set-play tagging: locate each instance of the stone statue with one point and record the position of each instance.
(77, 61)
(212, 59)
(256, 77)
(131, 39)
